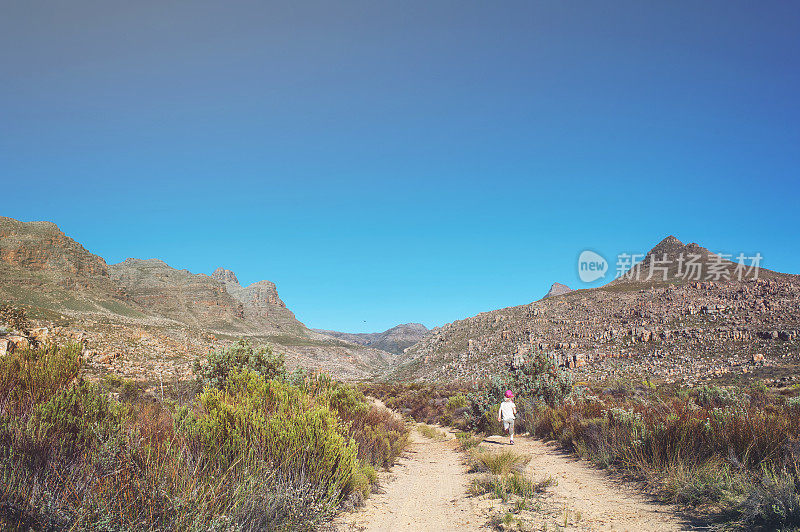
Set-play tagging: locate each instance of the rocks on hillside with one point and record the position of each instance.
(193, 299)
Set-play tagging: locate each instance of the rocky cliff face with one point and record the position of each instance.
(395, 340)
(260, 302)
(40, 266)
(260, 294)
(678, 330)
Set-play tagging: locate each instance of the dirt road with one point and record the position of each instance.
(427, 490)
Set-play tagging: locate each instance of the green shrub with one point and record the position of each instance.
(774, 503)
(536, 383)
(425, 403)
(239, 357)
(257, 454)
(431, 432)
(380, 435)
(74, 419)
(715, 396)
(504, 486)
(467, 440)
(274, 421)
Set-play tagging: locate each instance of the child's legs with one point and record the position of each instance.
(511, 429)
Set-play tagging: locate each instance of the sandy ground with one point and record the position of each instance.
(427, 490)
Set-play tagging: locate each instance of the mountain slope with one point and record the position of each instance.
(674, 329)
(193, 299)
(42, 267)
(394, 340)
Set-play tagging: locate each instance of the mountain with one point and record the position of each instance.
(558, 289)
(678, 329)
(395, 340)
(672, 261)
(196, 300)
(147, 320)
(259, 302)
(43, 268)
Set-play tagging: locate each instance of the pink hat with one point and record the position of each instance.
(509, 394)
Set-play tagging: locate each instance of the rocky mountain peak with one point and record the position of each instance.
(226, 276)
(557, 289)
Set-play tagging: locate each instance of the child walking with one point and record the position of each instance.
(507, 414)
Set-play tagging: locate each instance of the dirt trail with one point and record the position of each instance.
(587, 497)
(427, 490)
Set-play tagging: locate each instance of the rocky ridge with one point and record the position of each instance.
(395, 340)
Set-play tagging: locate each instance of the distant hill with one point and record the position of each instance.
(558, 289)
(143, 317)
(395, 340)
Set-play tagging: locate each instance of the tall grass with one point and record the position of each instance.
(733, 450)
(253, 453)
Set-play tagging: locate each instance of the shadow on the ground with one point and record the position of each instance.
(499, 441)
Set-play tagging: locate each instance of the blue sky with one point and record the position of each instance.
(387, 162)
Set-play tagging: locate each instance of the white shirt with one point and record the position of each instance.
(507, 410)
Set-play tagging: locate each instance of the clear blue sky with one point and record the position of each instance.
(387, 162)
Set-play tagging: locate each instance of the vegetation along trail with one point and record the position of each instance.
(428, 490)
(587, 498)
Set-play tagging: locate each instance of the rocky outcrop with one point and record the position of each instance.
(260, 302)
(262, 294)
(226, 276)
(558, 289)
(395, 340)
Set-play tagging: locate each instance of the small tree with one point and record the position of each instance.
(239, 357)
